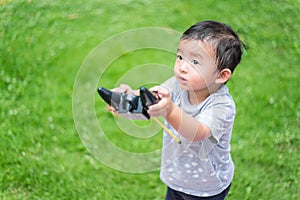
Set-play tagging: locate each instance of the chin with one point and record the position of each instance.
(184, 87)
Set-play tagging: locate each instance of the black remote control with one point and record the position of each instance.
(128, 105)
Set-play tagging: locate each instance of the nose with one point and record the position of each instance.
(183, 67)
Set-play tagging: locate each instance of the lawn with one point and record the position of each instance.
(46, 49)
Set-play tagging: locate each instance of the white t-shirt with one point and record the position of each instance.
(203, 168)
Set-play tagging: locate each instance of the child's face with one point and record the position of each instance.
(195, 67)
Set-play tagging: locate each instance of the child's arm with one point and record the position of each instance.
(183, 123)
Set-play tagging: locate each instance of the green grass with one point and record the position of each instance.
(42, 46)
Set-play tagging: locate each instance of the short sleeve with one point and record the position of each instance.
(218, 116)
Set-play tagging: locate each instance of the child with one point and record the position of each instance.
(198, 109)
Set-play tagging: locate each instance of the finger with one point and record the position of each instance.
(123, 88)
(163, 91)
(126, 88)
(157, 107)
(160, 91)
(118, 89)
(111, 109)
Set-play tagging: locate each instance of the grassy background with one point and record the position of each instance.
(42, 45)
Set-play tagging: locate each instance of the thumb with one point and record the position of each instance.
(160, 92)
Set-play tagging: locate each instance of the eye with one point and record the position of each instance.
(195, 62)
(179, 57)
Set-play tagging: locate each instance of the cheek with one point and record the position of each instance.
(202, 73)
(175, 69)
(199, 79)
(197, 74)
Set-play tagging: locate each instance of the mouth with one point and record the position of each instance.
(182, 80)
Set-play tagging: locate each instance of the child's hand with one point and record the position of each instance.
(164, 106)
(112, 109)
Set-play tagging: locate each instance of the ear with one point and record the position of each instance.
(223, 76)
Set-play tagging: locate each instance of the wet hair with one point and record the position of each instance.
(225, 42)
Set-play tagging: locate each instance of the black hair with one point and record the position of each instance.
(225, 42)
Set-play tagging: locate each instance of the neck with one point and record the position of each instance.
(196, 97)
